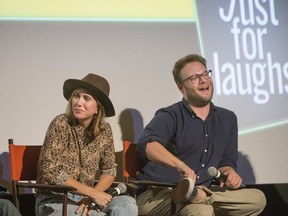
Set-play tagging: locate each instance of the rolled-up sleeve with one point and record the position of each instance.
(160, 129)
(107, 158)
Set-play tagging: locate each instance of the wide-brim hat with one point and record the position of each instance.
(96, 85)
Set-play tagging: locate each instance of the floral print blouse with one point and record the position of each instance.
(71, 151)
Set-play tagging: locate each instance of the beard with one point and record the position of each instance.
(199, 100)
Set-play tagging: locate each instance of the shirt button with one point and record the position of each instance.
(206, 135)
(203, 165)
(198, 177)
(205, 150)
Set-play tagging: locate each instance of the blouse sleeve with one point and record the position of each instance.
(51, 166)
(107, 162)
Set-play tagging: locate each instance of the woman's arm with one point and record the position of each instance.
(97, 193)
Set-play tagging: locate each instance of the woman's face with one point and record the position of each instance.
(84, 106)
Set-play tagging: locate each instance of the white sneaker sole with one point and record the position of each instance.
(183, 190)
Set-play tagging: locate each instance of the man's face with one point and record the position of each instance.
(196, 85)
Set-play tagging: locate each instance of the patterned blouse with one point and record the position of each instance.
(71, 151)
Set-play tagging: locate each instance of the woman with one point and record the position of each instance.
(78, 144)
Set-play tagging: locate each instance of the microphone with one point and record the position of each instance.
(120, 189)
(213, 172)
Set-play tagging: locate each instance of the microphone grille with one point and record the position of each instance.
(212, 171)
(122, 187)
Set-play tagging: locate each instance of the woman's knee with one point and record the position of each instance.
(124, 204)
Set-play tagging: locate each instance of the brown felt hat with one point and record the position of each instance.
(96, 85)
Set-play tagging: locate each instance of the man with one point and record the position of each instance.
(182, 141)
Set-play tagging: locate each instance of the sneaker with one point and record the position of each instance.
(184, 191)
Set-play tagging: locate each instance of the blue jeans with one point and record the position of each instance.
(7, 208)
(50, 204)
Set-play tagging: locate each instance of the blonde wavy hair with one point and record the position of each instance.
(96, 124)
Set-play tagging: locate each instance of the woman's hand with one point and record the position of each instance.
(84, 208)
(95, 195)
(100, 199)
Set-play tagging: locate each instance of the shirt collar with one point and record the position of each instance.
(213, 108)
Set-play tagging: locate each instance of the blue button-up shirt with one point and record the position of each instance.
(199, 144)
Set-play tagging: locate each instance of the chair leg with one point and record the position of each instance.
(173, 208)
(64, 208)
(15, 195)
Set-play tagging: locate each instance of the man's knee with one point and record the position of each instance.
(155, 201)
(197, 210)
(259, 200)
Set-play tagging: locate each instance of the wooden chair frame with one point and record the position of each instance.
(132, 164)
(23, 167)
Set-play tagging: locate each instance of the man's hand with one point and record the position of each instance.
(233, 180)
(186, 171)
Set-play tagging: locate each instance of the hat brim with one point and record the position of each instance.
(71, 84)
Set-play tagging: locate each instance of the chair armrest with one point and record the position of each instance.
(152, 183)
(56, 188)
(136, 187)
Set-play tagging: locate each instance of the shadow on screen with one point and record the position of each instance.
(5, 171)
(131, 124)
(245, 169)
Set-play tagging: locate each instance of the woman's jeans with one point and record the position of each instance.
(51, 204)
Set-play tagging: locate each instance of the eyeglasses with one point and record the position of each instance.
(196, 77)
